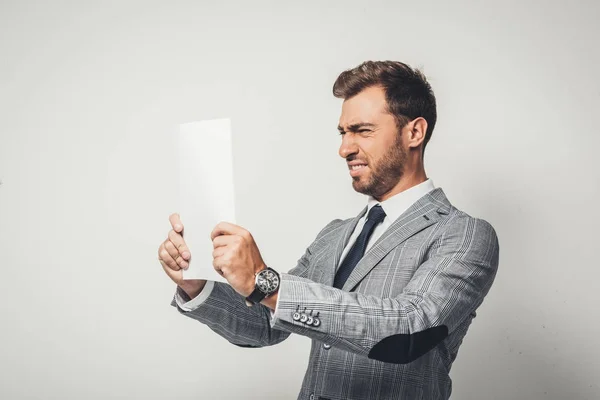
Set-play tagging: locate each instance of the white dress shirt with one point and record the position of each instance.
(393, 208)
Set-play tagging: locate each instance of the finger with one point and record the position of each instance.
(218, 265)
(224, 240)
(218, 252)
(164, 256)
(172, 250)
(176, 223)
(179, 244)
(226, 228)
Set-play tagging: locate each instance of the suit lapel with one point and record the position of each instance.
(343, 240)
(425, 212)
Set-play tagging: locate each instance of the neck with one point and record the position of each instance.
(410, 178)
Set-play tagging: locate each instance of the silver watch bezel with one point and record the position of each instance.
(263, 273)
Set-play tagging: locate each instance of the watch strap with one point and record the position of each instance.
(255, 297)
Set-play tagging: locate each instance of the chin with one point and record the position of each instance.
(359, 187)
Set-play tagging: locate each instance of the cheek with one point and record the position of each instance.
(372, 153)
(401, 142)
(366, 151)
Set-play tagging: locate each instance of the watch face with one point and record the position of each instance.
(267, 281)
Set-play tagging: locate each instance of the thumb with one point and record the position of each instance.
(176, 224)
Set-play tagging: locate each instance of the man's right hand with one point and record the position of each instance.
(174, 256)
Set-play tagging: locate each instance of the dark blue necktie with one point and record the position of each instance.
(376, 215)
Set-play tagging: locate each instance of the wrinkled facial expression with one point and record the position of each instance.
(371, 143)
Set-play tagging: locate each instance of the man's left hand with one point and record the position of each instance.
(236, 256)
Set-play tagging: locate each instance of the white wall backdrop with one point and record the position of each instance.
(90, 95)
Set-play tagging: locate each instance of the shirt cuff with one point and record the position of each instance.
(181, 297)
(276, 304)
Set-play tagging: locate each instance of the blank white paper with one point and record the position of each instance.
(206, 190)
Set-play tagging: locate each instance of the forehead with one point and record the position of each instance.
(367, 106)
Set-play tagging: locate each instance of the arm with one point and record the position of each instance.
(225, 311)
(443, 292)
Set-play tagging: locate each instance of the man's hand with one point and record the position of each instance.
(236, 256)
(174, 255)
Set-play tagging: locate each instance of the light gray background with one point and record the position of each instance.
(90, 95)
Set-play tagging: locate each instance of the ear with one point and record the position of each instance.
(416, 134)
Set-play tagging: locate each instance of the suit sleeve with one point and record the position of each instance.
(225, 311)
(445, 290)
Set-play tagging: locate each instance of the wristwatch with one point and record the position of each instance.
(265, 284)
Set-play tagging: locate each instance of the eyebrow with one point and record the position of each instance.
(356, 127)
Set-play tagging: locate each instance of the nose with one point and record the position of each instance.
(348, 146)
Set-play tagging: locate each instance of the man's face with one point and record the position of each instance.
(371, 143)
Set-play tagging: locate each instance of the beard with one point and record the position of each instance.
(384, 174)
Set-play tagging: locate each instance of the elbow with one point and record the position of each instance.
(406, 348)
(251, 346)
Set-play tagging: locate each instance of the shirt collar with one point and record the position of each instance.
(398, 203)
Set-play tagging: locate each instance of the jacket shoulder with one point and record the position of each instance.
(458, 219)
(469, 236)
(332, 226)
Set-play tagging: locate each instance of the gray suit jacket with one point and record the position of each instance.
(394, 329)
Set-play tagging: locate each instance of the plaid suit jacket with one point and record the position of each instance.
(394, 329)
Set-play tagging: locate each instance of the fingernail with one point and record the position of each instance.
(186, 255)
(184, 265)
(177, 227)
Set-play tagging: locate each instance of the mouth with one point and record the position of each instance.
(356, 169)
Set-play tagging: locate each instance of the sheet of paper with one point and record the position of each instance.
(206, 191)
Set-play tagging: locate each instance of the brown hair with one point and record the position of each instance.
(407, 92)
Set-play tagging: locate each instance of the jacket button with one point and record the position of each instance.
(326, 346)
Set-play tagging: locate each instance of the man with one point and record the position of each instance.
(387, 296)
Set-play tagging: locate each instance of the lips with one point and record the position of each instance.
(352, 164)
(356, 167)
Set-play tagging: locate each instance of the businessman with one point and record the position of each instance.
(386, 296)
